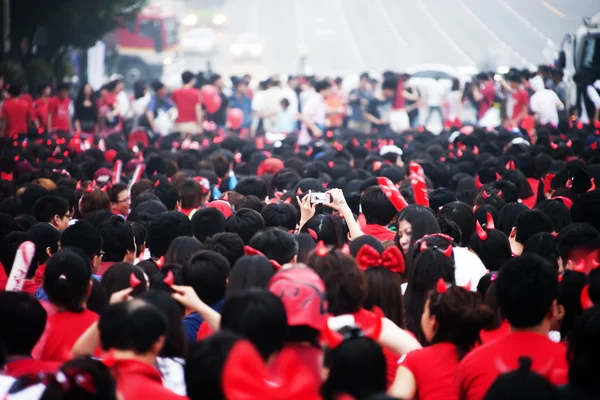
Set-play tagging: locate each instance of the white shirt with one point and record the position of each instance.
(545, 104)
(272, 106)
(291, 96)
(315, 109)
(454, 104)
(595, 98)
(124, 107)
(435, 94)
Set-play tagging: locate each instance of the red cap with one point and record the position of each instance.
(222, 206)
(303, 295)
(110, 155)
(270, 166)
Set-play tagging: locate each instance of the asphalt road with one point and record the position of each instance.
(349, 36)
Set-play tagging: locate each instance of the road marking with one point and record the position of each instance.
(353, 46)
(492, 34)
(443, 32)
(554, 10)
(524, 21)
(388, 21)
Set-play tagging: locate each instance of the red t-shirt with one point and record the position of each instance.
(140, 381)
(488, 91)
(62, 331)
(520, 101)
(15, 113)
(103, 267)
(494, 334)
(40, 110)
(434, 369)
(29, 366)
(391, 358)
(186, 100)
(204, 331)
(59, 110)
(480, 368)
(379, 232)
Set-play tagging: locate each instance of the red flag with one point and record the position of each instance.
(417, 180)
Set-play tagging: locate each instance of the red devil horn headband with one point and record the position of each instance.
(490, 222)
(480, 231)
(134, 281)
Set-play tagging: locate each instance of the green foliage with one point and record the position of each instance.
(38, 72)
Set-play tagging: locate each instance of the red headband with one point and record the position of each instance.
(584, 298)
(134, 281)
(321, 249)
(371, 325)
(447, 253)
(251, 251)
(392, 193)
(391, 258)
(480, 231)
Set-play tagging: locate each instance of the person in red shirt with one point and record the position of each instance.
(23, 320)
(67, 282)
(59, 119)
(517, 106)
(15, 113)
(189, 106)
(526, 291)
(40, 105)
(451, 323)
(379, 213)
(134, 333)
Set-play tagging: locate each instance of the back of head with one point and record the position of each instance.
(207, 272)
(93, 200)
(132, 325)
(164, 229)
(67, 279)
(543, 244)
(207, 222)
(376, 208)
(558, 213)
(508, 216)
(181, 250)
(249, 272)
(204, 365)
(523, 384)
(584, 351)
(46, 241)
(530, 222)
(259, 316)
(575, 237)
(47, 207)
(280, 215)
(16, 307)
(175, 343)
(167, 194)
(117, 238)
(492, 247)
(276, 244)
(252, 186)
(118, 277)
(229, 245)
(31, 195)
(82, 379)
(245, 223)
(462, 215)
(83, 236)
(526, 288)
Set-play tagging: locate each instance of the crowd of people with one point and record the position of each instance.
(342, 260)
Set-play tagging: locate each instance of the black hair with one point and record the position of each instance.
(249, 272)
(250, 202)
(508, 216)
(207, 222)
(167, 194)
(81, 375)
(117, 278)
(245, 223)
(191, 193)
(47, 207)
(207, 272)
(324, 226)
(306, 244)
(204, 365)
(46, 238)
(139, 89)
(322, 85)
(113, 192)
(422, 220)
(31, 195)
(522, 384)
(494, 251)
(280, 215)
(525, 288)
(117, 237)
(67, 279)
(543, 244)
(140, 235)
(376, 207)
(10, 244)
(252, 186)
(426, 268)
(569, 296)
(15, 308)
(462, 215)
(229, 245)
(558, 213)
(583, 351)
(187, 77)
(97, 299)
(83, 236)
(383, 291)
(530, 222)
(576, 236)
(131, 325)
(181, 250)
(259, 316)
(276, 244)
(357, 367)
(164, 228)
(175, 343)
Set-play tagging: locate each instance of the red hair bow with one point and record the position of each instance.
(251, 251)
(245, 376)
(391, 258)
(392, 193)
(371, 325)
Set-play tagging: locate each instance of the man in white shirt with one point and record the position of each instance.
(545, 104)
(313, 114)
(289, 93)
(272, 105)
(435, 95)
